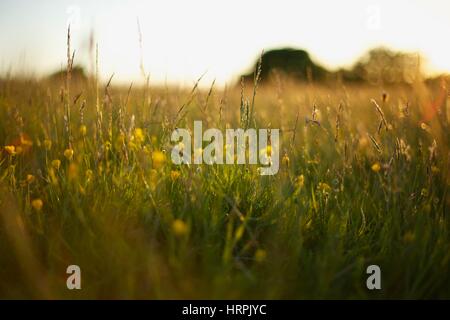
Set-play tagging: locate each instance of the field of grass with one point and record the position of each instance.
(86, 179)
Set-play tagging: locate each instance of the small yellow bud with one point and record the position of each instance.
(37, 204)
(300, 181)
(174, 174)
(179, 228)
(324, 187)
(139, 135)
(158, 159)
(11, 150)
(56, 164)
(30, 178)
(68, 153)
(285, 160)
(47, 144)
(83, 130)
(72, 172)
(89, 174)
(376, 167)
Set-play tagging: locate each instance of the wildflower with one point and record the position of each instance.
(11, 150)
(376, 167)
(47, 144)
(260, 255)
(424, 192)
(24, 141)
(30, 178)
(324, 187)
(139, 135)
(425, 127)
(68, 153)
(285, 160)
(174, 174)
(107, 145)
(37, 204)
(363, 142)
(158, 159)
(179, 228)
(300, 181)
(83, 130)
(56, 164)
(89, 175)
(72, 172)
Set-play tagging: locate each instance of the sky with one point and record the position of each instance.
(181, 40)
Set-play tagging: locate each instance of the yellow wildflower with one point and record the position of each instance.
(72, 172)
(30, 178)
(68, 153)
(47, 144)
(25, 141)
(324, 187)
(56, 164)
(174, 174)
(107, 145)
(425, 127)
(179, 228)
(424, 192)
(83, 130)
(300, 181)
(285, 160)
(363, 142)
(89, 174)
(11, 150)
(37, 204)
(158, 159)
(376, 167)
(139, 135)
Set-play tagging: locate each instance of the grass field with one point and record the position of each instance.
(86, 179)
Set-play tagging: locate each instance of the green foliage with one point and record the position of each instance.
(354, 189)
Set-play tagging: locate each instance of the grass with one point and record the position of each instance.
(86, 179)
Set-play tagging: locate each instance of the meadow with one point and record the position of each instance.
(86, 178)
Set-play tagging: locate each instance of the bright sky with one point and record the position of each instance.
(183, 39)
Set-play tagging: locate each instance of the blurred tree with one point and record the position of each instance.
(77, 74)
(294, 63)
(383, 66)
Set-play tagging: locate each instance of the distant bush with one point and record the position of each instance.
(77, 74)
(293, 63)
(383, 66)
(378, 66)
